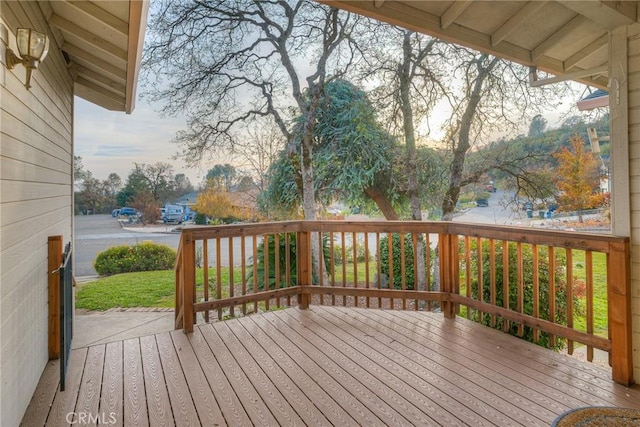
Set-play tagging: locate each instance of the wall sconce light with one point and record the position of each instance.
(32, 47)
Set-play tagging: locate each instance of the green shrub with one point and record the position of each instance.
(201, 219)
(281, 280)
(397, 262)
(146, 256)
(543, 280)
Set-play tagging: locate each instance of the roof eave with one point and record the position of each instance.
(138, 11)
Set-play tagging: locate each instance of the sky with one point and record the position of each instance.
(111, 141)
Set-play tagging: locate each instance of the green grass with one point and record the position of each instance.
(600, 308)
(126, 290)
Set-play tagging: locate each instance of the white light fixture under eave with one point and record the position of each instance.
(32, 47)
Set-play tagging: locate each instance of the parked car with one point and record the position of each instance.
(174, 214)
(128, 212)
(115, 213)
(482, 203)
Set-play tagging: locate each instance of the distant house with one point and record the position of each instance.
(94, 53)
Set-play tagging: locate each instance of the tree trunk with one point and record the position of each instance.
(464, 140)
(383, 203)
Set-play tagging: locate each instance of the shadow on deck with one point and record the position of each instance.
(322, 366)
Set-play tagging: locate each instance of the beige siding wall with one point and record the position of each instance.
(634, 171)
(36, 156)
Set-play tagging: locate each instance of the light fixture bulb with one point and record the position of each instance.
(32, 45)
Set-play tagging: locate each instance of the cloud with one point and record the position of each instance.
(111, 141)
(117, 151)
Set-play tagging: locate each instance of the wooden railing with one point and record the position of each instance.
(553, 288)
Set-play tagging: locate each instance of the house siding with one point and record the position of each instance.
(633, 48)
(36, 190)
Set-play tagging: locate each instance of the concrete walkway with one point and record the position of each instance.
(119, 324)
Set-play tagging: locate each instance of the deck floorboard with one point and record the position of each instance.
(324, 366)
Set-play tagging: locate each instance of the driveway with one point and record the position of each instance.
(95, 233)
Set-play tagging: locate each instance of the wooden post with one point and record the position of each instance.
(620, 322)
(55, 249)
(448, 253)
(189, 282)
(304, 268)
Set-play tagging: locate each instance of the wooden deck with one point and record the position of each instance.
(324, 366)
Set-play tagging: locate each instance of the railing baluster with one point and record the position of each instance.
(266, 268)
(588, 260)
(232, 290)
(255, 270)
(467, 261)
(287, 273)
(429, 284)
(492, 277)
(403, 276)
(355, 265)
(552, 292)
(344, 266)
(569, 293)
(379, 262)
(536, 289)
(391, 278)
(276, 246)
(218, 275)
(505, 281)
(520, 295)
(480, 276)
(243, 270)
(367, 254)
(333, 266)
(414, 242)
(205, 275)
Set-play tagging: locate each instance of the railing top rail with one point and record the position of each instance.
(567, 239)
(558, 238)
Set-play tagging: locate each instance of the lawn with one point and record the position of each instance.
(142, 289)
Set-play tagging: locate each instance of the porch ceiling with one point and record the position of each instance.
(102, 43)
(559, 37)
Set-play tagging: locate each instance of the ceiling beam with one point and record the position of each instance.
(404, 15)
(91, 10)
(584, 53)
(99, 89)
(557, 37)
(597, 71)
(378, 3)
(515, 21)
(608, 14)
(69, 27)
(453, 12)
(83, 55)
(97, 98)
(81, 71)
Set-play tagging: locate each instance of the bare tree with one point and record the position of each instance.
(495, 96)
(259, 150)
(227, 62)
